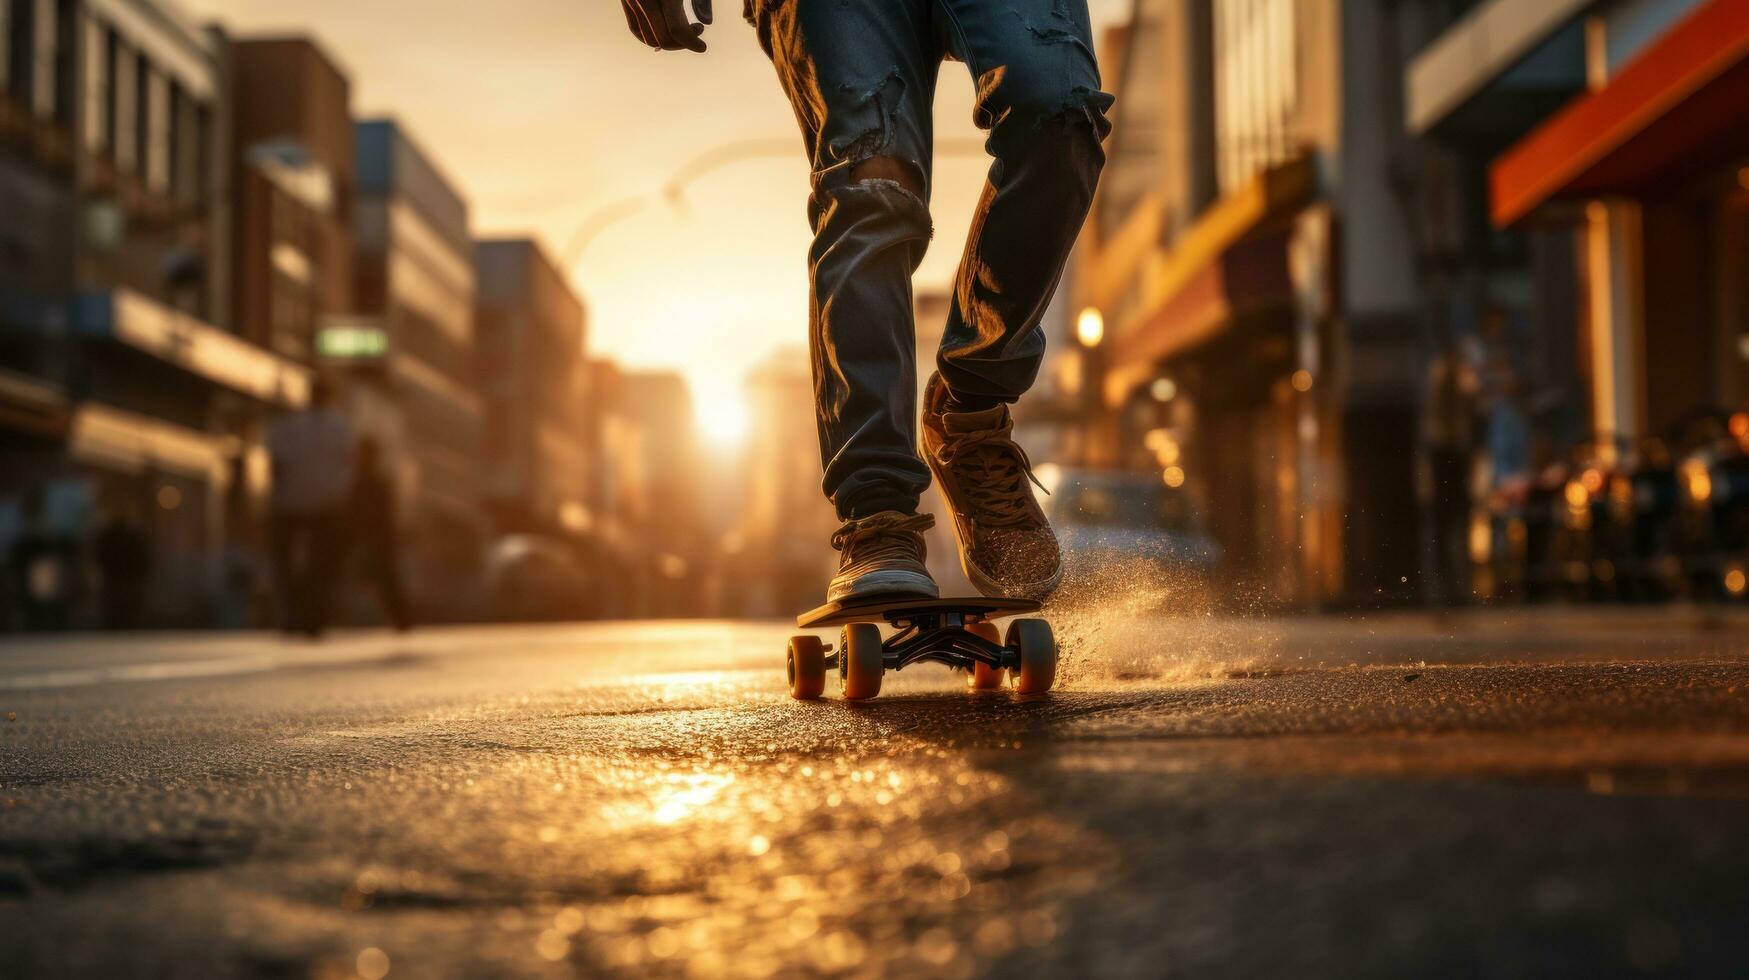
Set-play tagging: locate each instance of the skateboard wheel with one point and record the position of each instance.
(807, 667)
(983, 676)
(1038, 655)
(860, 661)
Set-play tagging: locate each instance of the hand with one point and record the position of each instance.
(663, 24)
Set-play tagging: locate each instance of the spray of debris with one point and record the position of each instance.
(1135, 619)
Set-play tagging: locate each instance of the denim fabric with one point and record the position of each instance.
(861, 75)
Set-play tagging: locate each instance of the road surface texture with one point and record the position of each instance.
(1508, 794)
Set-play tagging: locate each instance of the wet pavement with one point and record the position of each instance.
(1499, 794)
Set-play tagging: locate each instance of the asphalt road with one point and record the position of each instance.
(1489, 794)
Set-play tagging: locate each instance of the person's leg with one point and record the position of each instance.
(287, 577)
(1039, 97)
(387, 574)
(328, 550)
(860, 75)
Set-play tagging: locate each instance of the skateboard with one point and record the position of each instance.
(960, 633)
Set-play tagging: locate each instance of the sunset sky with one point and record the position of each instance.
(547, 113)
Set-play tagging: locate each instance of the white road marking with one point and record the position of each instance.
(172, 670)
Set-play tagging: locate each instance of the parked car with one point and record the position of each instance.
(531, 578)
(1714, 522)
(1118, 517)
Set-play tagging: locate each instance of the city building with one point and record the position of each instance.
(647, 489)
(529, 333)
(294, 185)
(290, 164)
(777, 559)
(128, 395)
(1357, 270)
(416, 389)
(1250, 303)
(1605, 142)
(1630, 175)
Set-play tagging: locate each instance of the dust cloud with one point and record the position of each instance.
(1131, 620)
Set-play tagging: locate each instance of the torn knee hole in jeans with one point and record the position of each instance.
(889, 195)
(906, 174)
(1083, 105)
(864, 118)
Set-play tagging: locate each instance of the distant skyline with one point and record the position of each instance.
(547, 113)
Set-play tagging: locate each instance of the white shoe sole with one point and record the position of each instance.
(874, 584)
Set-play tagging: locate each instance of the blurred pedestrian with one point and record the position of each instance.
(123, 551)
(376, 533)
(43, 565)
(1448, 438)
(312, 453)
(1500, 392)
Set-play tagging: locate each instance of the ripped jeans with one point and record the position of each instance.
(861, 76)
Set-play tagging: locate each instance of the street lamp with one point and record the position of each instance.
(1090, 327)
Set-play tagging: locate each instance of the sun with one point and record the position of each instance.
(722, 415)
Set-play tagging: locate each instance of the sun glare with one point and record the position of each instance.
(723, 416)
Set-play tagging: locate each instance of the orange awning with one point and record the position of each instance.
(1678, 108)
(1249, 278)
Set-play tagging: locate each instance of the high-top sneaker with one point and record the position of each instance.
(882, 555)
(1007, 547)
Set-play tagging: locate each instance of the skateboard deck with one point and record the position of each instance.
(890, 608)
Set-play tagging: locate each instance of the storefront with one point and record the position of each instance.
(1651, 170)
(1207, 376)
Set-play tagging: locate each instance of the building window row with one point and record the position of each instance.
(149, 125)
(1256, 87)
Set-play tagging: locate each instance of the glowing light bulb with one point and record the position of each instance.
(1090, 327)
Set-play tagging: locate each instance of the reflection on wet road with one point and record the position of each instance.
(1203, 796)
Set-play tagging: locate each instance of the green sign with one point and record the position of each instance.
(352, 343)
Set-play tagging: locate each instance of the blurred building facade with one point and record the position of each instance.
(529, 337)
(777, 557)
(1249, 266)
(647, 490)
(291, 162)
(131, 399)
(192, 228)
(1606, 142)
(294, 179)
(415, 288)
(1357, 270)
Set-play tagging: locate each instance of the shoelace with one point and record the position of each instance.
(996, 472)
(883, 537)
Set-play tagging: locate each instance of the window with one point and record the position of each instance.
(6, 20)
(94, 58)
(173, 149)
(1256, 90)
(124, 79)
(158, 133)
(203, 164)
(20, 48)
(142, 116)
(185, 141)
(111, 90)
(66, 71)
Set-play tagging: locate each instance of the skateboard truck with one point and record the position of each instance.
(958, 633)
